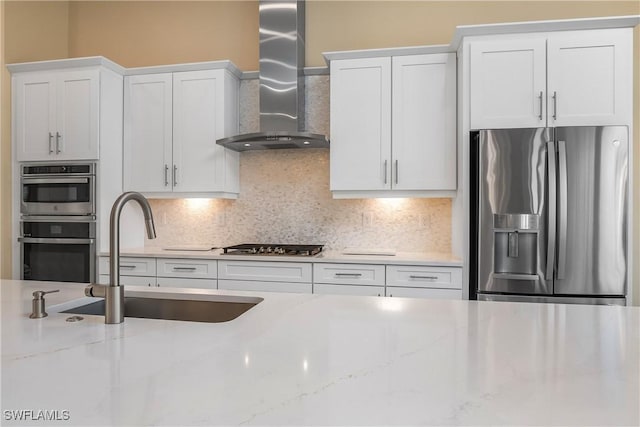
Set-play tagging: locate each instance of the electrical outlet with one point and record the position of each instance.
(423, 220)
(367, 219)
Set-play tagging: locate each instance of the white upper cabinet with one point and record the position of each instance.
(148, 110)
(393, 126)
(424, 122)
(360, 120)
(172, 121)
(564, 78)
(57, 115)
(589, 76)
(508, 83)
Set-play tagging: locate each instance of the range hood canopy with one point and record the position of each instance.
(282, 97)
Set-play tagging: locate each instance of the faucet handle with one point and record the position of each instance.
(38, 304)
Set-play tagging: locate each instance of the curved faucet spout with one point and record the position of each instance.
(114, 230)
(113, 294)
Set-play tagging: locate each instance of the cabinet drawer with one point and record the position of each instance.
(424, 277)
(299, 272)
(424, 293)
(373, 291)
(181, 282)
(130, 266)
(350, 274)
(103, 279)
(264, 286)
(172, 267)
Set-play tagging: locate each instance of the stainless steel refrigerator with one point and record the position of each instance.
(552, 214)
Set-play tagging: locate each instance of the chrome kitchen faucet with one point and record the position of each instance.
(113, 293)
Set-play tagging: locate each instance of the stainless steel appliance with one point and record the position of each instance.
(282, 82)
(552, 214)
(61, 249)
(272, 249)
(57, 189)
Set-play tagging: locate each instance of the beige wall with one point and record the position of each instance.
(32, 31)
(148, 33)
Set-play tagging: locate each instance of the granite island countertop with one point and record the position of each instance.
(325, 360)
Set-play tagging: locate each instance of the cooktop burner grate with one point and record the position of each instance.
(272, 249)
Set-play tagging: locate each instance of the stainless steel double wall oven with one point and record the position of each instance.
(58, 222)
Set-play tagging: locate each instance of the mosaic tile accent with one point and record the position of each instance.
(285, 198)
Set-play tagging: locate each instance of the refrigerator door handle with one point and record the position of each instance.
(551, 232)
(562, 209)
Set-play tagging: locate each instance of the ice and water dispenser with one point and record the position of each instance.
(515, 245)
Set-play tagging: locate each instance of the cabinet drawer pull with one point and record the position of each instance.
(424, 277)
(127, 266)
(58, 142)
(348, 274)
(184, 269)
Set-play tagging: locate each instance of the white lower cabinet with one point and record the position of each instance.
(103, 279)
(325, 289)
(181, 282)
(393, 291)
(424, 282)
(265, 276)
(348, 279)
(169, 272)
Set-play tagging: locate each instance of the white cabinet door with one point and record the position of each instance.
(360, 124)
(508, 82)
(326, 289)
(424, 122)
(181, 282)
(261, 286)
(198, 120)
(34, 116)
(148, 105)
(587, 71)
(424, 293)
(56, 115)
(187, 268)
(77, 115)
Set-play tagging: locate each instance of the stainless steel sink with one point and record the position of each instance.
(220, 309)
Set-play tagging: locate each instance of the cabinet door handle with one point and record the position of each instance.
(555, 105)
(175, 174)
(58, 142)
(50, 142)
(385, 171)
(184, 269)
(424, 277)
(396, 172)
(540, 102)
(348, 274)
(166, 175)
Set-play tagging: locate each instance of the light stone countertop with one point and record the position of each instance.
(431, 259)
(325, 360)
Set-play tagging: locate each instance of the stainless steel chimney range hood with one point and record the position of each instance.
(282, 98)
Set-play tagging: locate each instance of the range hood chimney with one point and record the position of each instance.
(282, 98)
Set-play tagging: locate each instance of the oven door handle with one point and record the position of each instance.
(55, 180)
(59, 241)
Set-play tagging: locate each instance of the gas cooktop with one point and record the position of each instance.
(273, 249)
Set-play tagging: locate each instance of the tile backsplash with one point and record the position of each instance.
(285, 198)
